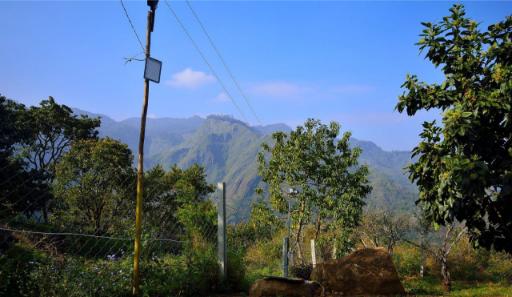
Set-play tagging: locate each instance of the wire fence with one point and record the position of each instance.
(76, 239)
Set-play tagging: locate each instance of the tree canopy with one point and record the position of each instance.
(95, 184)
(464, 166)
(324, 170)
(176, 203)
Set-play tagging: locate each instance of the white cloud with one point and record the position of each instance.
(279, 89)
(352, 89)
(222, 97)
(190, 79)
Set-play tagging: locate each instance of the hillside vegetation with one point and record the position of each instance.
(228, 148)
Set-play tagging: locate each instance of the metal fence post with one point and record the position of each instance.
(313, 253)
(285, 256)
(221, 231)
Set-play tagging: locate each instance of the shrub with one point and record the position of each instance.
(500, 267)
(407, 260)
(301, 271)
(15, 267)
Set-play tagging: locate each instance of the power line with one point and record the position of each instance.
(228, 69)
(133, 27)
(205, 60)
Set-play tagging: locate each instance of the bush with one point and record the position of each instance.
(78, 277)
(407, 260)
(500, 267)
(15, 267)
(301, 271)
(236, 270)
(263, 258)
(25, 272)
(194, 274)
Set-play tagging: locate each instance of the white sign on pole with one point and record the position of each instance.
(152, 70)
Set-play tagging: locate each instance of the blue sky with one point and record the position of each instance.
(342, 61)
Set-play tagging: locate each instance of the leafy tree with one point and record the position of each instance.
(18, 186)
(263, 220)
(53, 128)
(167, 193)
(95, 184)
(325, 171)
(464, 167)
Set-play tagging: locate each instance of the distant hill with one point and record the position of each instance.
(227, 148)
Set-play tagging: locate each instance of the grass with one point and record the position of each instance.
(433, 287)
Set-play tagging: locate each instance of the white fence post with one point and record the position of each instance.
(313, 253)
(221, 231)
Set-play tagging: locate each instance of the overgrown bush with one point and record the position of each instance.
(301, 270)
(16, 265)
(25, 272)
(407, 260)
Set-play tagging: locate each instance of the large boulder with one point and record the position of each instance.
(285, 287)
(364, 272)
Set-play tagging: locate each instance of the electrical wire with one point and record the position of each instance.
(205, 60)
(228, 69)
(133, 27)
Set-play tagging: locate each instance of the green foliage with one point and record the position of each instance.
(464, 167)
(16, 265)
(193, 274)
(176, 200)
(94, 185)
(407, 260)
(467, 264)
(263, 221)
(324, 169)
(53, 128)
(432, 287)
(33, 141)
(16, 180)
(199, 219)
(25, 272)
(228, 151)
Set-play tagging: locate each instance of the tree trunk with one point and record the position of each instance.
(447, 282)
(390, 249)
(317, 228)
(45, 211)
(299, 231)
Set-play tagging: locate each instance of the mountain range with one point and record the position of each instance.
(228, 148)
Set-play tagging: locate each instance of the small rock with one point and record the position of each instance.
(285, 287)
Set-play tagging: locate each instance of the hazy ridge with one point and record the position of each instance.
(227, 148)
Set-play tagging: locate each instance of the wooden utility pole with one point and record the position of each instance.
(140, 163)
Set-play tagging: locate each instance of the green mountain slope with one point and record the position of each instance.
(228, 148)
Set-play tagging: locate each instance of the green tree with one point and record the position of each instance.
(325, 171)
(18, 186)
(53, 129)
(464, 166)
(94, 185)
(263, 221)
(168, 193)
